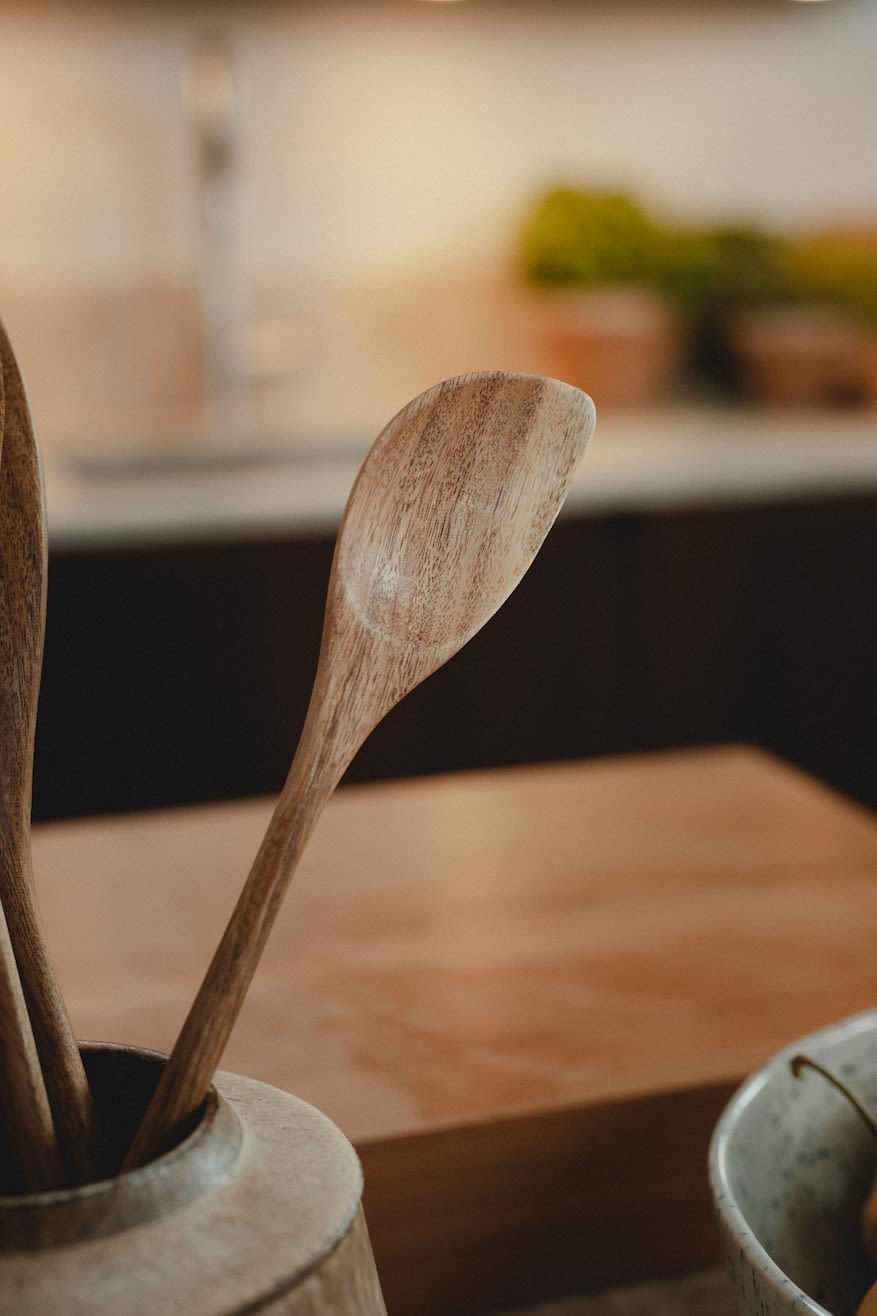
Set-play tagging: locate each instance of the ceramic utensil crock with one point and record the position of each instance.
(257, 1209)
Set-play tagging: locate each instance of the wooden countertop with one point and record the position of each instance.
(524, 994)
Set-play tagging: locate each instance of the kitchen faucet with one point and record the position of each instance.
(239, 351)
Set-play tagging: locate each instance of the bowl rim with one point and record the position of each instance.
(724, 1200)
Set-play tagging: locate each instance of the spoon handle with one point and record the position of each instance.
(62, 1070)
(187, 1076)
(27, 1118)
(22, 626)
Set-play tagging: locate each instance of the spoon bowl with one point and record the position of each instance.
(461, 494)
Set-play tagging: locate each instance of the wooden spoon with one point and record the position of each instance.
(448, 511)
(22, 627)
(29, 1143)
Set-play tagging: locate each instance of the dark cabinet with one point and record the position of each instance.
(181, 675)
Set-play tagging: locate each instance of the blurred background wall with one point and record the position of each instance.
(384, 152)
(375, 137)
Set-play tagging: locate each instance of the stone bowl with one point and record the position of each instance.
(790, 1165)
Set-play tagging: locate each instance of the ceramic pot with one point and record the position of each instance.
(791, 1164)
(257, 1209)
(798, 357)
(867, 351)
(619, 344)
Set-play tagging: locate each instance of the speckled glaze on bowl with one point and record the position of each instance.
(790, 1165)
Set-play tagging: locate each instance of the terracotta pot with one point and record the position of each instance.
(620, 345)
(867, 352)
(256, 1209)
(799, 357)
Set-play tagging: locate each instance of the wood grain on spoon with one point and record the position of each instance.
(28, 1131)
(30, 1145)
(22, 627)
(447, 512)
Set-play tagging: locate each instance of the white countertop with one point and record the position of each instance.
(637, 461)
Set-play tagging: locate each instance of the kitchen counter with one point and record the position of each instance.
(524, 995)
(682, 457)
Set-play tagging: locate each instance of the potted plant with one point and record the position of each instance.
(814, 341)
(716, 277)
(838, 269)
(596, 319)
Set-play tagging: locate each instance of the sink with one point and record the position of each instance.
(191, 453)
